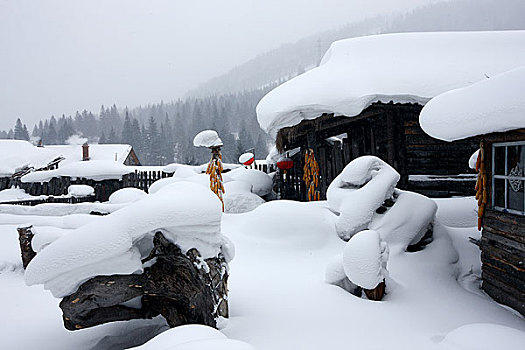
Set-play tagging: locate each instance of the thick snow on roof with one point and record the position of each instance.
(73, 153)
(93, 169)
(403, 68)
(17, 154)
(491, 105)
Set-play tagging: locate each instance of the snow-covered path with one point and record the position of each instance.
(278, 297)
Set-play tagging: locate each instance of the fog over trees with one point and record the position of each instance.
(162, 133)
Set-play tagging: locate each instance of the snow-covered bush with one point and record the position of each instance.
(375, 218)
(126, 195)
(358, 191)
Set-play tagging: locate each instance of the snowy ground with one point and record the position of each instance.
(278, 297)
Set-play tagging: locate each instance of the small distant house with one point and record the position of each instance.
(495, 109)
(365, 99)
(49, 170)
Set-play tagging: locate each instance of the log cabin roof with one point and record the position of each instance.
(402, 68)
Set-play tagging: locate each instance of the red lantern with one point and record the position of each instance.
(285, 164)
(249, 161)
(247, 158)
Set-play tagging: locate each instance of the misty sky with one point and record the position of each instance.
(61, 56)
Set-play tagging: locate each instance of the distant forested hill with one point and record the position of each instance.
(289, 60)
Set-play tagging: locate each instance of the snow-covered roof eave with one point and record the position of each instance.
(402, 68)
(496, 104)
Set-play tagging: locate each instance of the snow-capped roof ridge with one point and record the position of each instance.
(398, 67)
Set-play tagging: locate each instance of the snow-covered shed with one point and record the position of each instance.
(366, 96)
(495, 109)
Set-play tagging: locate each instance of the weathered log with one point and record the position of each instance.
(182, 287)
(25, 236)
(377, 293)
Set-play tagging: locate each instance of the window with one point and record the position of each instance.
(508, 177)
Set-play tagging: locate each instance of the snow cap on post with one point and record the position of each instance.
(207, 138)
(246, 158)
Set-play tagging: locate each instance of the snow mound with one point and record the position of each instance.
(181, 170)
(188, 214)
(80, 190)
(14, 194)
(261, 183)
(407, 221)
(492, 105)
(403, 68)
(487, 336)
(311, 231)
(358, 191)
(241, 202)
(126, 195)
(364, 259)
(207, 138)
(193, 337)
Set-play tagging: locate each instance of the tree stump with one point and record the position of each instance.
(377, 293)
(25, 236)
(184, 288)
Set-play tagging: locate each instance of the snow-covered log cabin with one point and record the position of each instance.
(50, 170)
(365, 98)
(495, 109)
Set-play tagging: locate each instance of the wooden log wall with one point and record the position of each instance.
(502, 241)
(430, 156)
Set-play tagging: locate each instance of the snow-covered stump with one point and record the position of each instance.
(364, 262)
(25, 236)
(183, 288)
(161, 255)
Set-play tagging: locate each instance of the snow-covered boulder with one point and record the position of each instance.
(207, 138)
(80, 190)
(358, 191)
(126, 195)
(365, 258)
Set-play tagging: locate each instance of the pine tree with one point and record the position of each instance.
(19, 130)
(102, 140)
(25, 133)
(127, 132)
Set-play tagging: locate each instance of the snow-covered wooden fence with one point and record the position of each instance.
(143, 179)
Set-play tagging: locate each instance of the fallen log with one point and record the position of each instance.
(182, 287)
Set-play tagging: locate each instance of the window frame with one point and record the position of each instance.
(505, 209)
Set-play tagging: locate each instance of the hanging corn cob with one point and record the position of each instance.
(311, 175)
(481, 184)
(215, 171)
